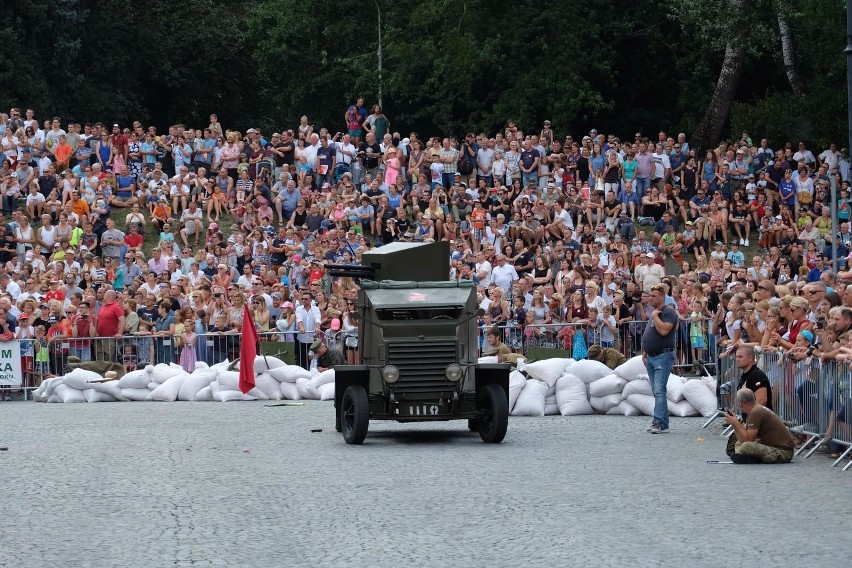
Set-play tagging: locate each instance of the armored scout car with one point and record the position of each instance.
(417, 338)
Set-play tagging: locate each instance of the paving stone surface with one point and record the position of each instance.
(243, 484)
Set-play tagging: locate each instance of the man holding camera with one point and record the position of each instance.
(762, 437)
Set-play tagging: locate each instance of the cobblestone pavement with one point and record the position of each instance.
(242, 484)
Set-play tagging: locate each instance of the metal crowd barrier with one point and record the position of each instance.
(627, 338)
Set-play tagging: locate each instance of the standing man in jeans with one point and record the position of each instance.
(658, 345)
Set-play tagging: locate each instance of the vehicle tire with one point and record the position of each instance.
(354, 414)
(473, 425)
(494, 405)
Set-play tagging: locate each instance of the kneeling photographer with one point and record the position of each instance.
(762, 437)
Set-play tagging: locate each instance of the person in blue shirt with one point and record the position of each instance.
(816, 271)
(787, 191)
(735, 255)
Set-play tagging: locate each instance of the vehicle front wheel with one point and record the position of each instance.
(473, 425)
(354, 414)
(494, 406)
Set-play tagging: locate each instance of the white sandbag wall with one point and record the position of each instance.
(547, 387)
(274, 380)
(589, 387)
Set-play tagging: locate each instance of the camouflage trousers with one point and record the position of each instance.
(766, 454)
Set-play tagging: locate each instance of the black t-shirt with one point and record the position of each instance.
(8, 242)
(583, 168)
(755, 379)
(652, 340)
(314, 222)
(279, 160)
(370, 162)
(324, 155)
(278, 257)
(289, 155)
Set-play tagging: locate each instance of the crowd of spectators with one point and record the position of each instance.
(563, 235)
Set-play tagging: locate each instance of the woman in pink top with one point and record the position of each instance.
(392, 167)
(231, 156)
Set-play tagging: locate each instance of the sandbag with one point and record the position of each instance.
(550, 406)
(91, 395)
(137, 395)
(257, 394)
(290, 391)
(80, 378)
(487, 360)
(168, 391)
(196, 381)
(53, 398)
(674, 388)
(50, 386)
(228, 380)
(162, 372)
(110, 388)
(153, 385)
(682, 408)
(231, 395)
(572, 397)
(326, 391)
(517, 380)
(531, 400)
(68, 394)
(323, 378)
(547, 370)
(624, 408)
(263, 363)
(268, 386)
(604, 404)
(204, 395)
(289, 373)
(610, 384)
(306, 391)
(631, 369)
(699, 395)
(643, 402)
(636, 387)
(588, 370)
(135, 380)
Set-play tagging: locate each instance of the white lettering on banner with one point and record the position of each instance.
(10, 363)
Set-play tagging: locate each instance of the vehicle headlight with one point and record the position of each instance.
(454, 372)
(390, 374)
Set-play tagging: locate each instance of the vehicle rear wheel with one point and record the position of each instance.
(494, 406)
(354, 414)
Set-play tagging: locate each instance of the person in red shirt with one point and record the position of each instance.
(316, 272)
(109, 324)
(55, 292)
(133, 239)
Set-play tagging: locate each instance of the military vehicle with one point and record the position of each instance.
(417, 339)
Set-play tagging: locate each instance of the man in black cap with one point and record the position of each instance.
(326, 358)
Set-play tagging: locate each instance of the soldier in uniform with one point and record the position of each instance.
(326, 358)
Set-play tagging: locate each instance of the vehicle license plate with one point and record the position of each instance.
(420, 409)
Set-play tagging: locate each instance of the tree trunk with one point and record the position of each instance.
(788, 53)
(709, 130)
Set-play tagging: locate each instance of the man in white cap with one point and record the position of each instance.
(648, 273)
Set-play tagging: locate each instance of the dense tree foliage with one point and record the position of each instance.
(449, 65)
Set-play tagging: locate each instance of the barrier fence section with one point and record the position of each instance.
(693, 347)
(41, 358)
(812, 397)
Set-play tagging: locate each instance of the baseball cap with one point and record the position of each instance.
(650, 255)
